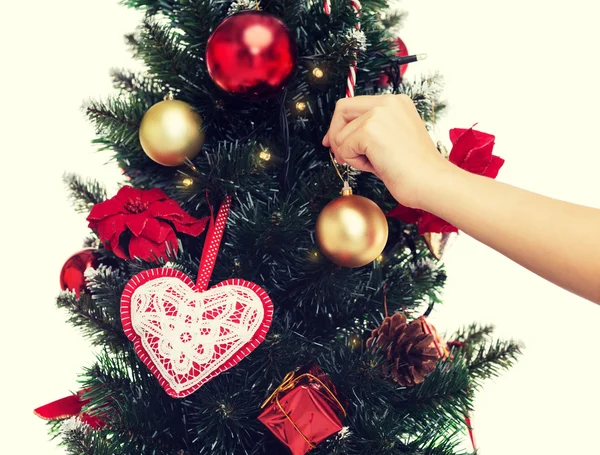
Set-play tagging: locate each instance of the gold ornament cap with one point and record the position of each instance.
(346, 190)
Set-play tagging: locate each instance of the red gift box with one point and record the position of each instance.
(304, 410)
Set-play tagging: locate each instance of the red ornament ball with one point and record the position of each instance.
(72, 276)
(251, 54)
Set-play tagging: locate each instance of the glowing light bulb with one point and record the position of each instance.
(318, 73)
(187, 181)
(301, 106)
(265, 155)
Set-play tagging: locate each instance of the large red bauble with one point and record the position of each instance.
(72, 275)
(252, 54)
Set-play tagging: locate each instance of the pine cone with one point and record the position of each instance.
(410, 350)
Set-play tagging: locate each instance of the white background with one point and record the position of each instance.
(526, 71)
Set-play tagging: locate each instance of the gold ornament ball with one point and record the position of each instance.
(171, 132)
(352, 231)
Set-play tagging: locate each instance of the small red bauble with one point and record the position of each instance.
(72, 275)
(252, 54)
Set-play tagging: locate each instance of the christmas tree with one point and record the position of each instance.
(219, 142)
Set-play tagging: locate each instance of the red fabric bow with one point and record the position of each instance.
(151, 218)
(471, 151)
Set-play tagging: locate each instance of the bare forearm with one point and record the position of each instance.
(542, 234)
(385, 135)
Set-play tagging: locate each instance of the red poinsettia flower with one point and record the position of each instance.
(471, 151)
(151, 218)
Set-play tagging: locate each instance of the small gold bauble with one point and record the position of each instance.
(171, 132)
(352, 230)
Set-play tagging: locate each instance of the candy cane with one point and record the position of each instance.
(351, 81)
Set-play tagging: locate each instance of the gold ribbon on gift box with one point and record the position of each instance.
(289, 382)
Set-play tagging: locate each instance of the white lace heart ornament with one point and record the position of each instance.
(186, 334)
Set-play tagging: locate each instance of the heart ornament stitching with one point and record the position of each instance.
(186, 334)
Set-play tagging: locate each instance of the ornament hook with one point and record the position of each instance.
(346, 190)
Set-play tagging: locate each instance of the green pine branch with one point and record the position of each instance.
(224, 415)
(485, 357)
(386, 433)
(85, 193)
(128, 156)
(91, 241)
(426, 94)
(152, 6)
(106, 286)
(140, 416)
(165, 54)
(138, 84)
(117, 119)
(489, 360)
(412, 281)
(473, 334)
(393, 19)
(443, 395)
(371, 5)
(97, 325)
(84, 442)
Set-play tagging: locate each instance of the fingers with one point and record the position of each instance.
(362, 163)
(352, 151)
(350, 128)
(348, 109)
(360, 124)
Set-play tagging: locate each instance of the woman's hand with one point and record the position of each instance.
(385, 135)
